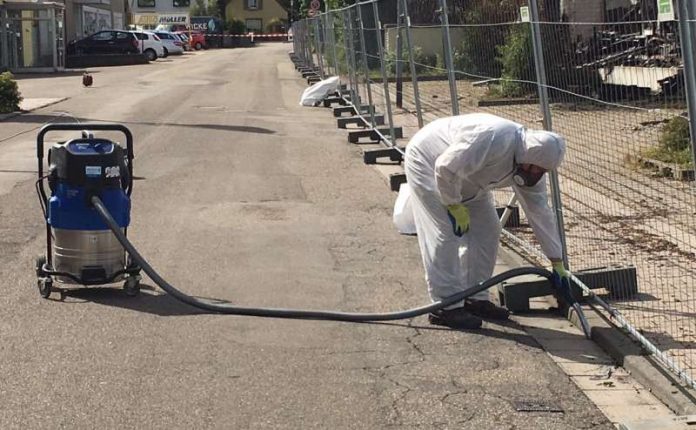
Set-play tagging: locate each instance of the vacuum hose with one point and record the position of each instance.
(299, 313)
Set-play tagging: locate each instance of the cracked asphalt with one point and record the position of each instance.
(242, 195)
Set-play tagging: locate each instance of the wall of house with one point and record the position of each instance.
(429, 39)
(109, 14)
(269, 11)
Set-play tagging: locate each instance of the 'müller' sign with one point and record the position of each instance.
(173, 19)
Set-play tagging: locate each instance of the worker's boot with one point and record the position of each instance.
(486, 309)
(455, 318)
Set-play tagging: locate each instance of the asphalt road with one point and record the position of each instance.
(242, 195)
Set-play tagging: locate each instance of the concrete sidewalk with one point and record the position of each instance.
(32, 104)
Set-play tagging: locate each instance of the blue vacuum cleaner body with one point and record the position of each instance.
(80, 247)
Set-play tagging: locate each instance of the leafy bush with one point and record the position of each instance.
(236, 26)
(675, 143)
(425, 63)
(516, 58)
(9, 93)
(476, 55)
(675, 135)
(273, 24)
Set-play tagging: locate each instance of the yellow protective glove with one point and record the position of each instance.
(560, 282)
(559, 268)
(459, 217)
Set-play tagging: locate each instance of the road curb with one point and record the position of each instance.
(631, 356)
(627, 353)
(5, 116)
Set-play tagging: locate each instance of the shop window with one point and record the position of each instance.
(182, 3)
(146, 3)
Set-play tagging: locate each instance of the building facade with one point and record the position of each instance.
(259, 16)
(32, 35)
(151, 13)
(85, 17)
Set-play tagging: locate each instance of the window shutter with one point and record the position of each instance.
(260, 4)
(246, 4)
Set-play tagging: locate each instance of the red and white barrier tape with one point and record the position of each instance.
(248, 35)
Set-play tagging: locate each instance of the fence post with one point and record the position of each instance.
(332, 41)
(307, 40)
(399, 58)
(546, 112)
(346, 51)
(685, 13)
(317, 38)
(414, 77)
(385, 79)
(366, 69)
(297, 40)
(325, 37)
(355, 91)
(448, 56)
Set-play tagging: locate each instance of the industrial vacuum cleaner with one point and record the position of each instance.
(80, 247)
(88, 212)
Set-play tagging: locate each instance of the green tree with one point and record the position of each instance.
(200, 8)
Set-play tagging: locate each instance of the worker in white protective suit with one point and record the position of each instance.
(451, 165)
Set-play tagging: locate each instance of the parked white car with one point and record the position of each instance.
(150, 45)
(172, 43)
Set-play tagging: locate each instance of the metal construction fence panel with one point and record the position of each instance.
(617, 81)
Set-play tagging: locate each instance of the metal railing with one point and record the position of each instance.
(614, 83)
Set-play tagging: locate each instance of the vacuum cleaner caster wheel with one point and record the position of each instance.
(132, 286)
(40, 262)
(45, 287)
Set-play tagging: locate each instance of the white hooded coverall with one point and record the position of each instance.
(460, 160)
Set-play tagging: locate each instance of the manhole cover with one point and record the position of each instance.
(535, 406)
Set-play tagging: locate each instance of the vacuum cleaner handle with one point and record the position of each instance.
(102, 126)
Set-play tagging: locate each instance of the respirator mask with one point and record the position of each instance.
(526, 178)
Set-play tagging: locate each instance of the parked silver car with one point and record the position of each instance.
(150, 45)
(172, 43)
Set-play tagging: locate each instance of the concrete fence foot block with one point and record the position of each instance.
(370, 156)
(395, 181)
(330, 101)
(344, 122)
(365, 110)
(616, 279)
(374, 134)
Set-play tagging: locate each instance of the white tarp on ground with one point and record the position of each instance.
(319, 91)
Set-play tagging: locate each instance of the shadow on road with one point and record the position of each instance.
(220, 127)
(520, 337)
(152, 302)
(148, 301)
(30, 118)
(26, 76)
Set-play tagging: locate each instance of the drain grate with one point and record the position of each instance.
(537, 406)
